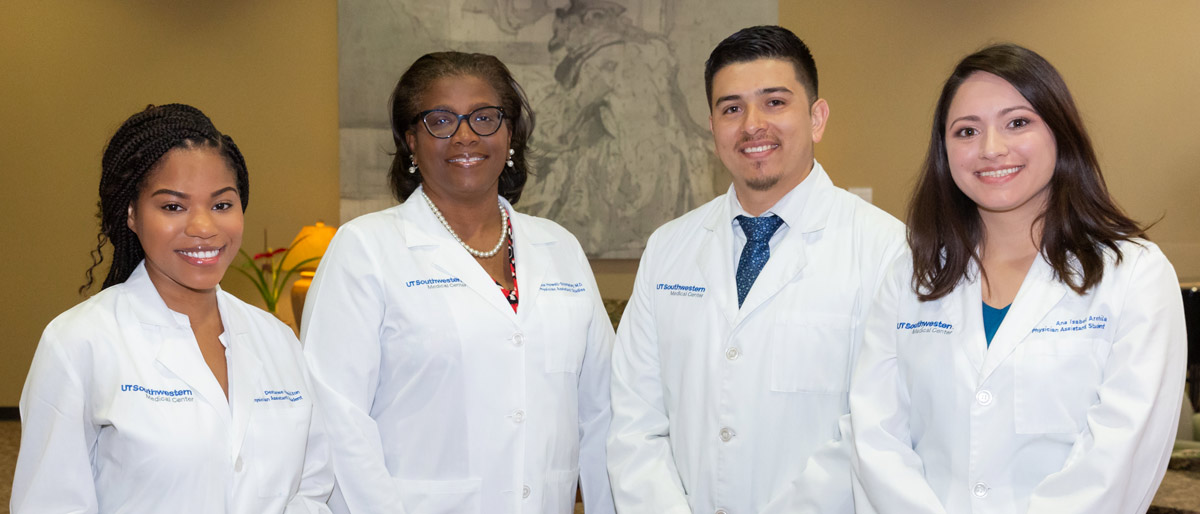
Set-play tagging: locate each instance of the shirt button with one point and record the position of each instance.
(726, 434)
(732, 353)
(525, 491)
(518, 339)
(980, 490)
(721, 511)
(984, 397)
(237, 465)
(518, 416)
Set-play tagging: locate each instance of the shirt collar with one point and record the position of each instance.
(789, 208)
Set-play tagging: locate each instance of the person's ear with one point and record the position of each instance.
(819, 112)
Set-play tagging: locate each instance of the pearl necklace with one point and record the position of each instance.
(472, 251)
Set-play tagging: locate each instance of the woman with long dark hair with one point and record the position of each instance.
(163, 393)
(1028, 355)
(460, 348)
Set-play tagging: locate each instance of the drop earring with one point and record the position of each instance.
(509, 162)
(412, 169)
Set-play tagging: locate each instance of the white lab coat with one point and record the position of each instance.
(738, 410)
(441, 398)
(120, 414)
(1073, 408)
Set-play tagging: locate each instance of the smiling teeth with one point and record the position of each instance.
(1000, 173)
(201, 255)
(756, 149)
(469, 159)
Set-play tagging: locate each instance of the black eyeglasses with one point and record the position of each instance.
(442, 124)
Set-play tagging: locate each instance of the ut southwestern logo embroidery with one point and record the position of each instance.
(160, 395)
(926, 327)
(436, 283)
(563, 287)
(681, 290)
(1097, 322)
(279, 395)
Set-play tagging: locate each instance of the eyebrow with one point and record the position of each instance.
(760, 92)
(185, 196)
(1003, 112)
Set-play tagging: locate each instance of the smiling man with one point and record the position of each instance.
(733, 359)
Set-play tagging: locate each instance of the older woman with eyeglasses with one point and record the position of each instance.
(460, 348)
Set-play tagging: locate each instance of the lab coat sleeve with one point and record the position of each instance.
(640, 462)
(1118, 462)
(54, 470)
(825, 484)
(595, 412)
(316, 480)
(890, 475)
(343, 313)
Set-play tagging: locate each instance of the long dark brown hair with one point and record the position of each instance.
(1080, 221)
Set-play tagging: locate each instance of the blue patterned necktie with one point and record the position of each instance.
(756, 252)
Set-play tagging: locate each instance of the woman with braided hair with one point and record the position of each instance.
(162, 393)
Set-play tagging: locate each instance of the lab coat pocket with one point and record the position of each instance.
(563, 333)
(280, 439)
(1055, 382)
(441, 496)
(810, 354)
(560, 490)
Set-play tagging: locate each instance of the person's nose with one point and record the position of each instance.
(995, 145)
(464, 135)
(201, 224)
(754, 121)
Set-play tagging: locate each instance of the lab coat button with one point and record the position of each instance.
(518, 416)
(732, 353)
(525, 492)
(980, 490)
(237, 465)
(984, 397)
(518, 339)
(721, 511)
(726, 434)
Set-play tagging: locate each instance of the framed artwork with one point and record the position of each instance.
(621, 144)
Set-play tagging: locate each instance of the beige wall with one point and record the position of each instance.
(1133, 68)
(266, 72)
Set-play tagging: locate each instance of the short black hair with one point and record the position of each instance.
(763, 42)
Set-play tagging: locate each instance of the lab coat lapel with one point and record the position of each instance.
(245, 371)
(970, 339)
(715, 262)
(533, 259)
(1039, 293)
(180, 355)
(785, 263)
(788, 258)
(422, 228)
(177, 350)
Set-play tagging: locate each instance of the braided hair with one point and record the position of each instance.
(136, 149)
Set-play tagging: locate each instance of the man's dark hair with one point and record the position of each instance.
(763, 42)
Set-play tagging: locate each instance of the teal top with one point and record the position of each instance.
(991, 320)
